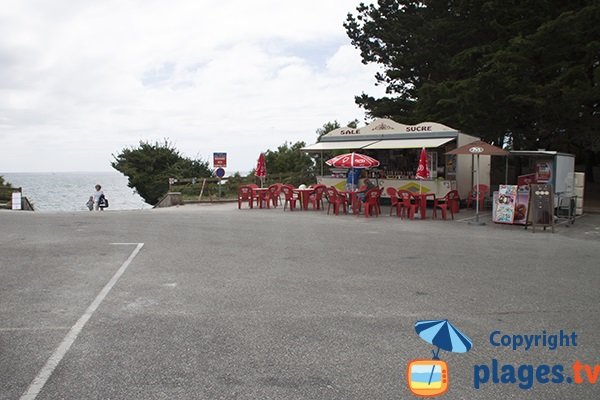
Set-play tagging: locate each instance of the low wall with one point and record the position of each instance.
(170, 199)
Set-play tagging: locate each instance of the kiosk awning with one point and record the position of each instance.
(338, 145)
(408, 143)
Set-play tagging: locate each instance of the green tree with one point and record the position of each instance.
(527, 69)
(149, 166)
(5, 192)
(289, 160)
(325, 129)
(330, 126)
(4, 184)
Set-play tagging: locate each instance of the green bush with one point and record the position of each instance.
(149, 167)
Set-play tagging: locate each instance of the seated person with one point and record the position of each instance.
(368, 184)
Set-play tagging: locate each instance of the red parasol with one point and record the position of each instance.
(352, 160)
(423, 170)
(261, 168)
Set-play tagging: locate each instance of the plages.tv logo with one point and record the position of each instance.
(430, 378)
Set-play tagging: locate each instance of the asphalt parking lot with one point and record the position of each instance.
(211, 302)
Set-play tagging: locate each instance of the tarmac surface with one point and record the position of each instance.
(221, 303)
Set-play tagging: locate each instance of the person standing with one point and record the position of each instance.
(97, 195)
(352, 178)
(90, 203)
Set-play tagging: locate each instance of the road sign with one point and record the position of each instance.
(220, 172)
(219, 160)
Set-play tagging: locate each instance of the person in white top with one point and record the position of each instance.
(96, 196)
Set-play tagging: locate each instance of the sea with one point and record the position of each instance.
(69, 191)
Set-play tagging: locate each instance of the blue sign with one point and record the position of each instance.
(220, 172)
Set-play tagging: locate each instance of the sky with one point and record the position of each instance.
(80, 80)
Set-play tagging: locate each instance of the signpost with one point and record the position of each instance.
(220, 172)
(220, 160)
(172, 181)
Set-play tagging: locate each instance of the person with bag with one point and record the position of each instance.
(100, 201)
(103, 202)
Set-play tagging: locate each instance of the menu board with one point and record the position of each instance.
(522, 205)
(504, 204)
(541, 206)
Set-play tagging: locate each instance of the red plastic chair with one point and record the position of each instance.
(478, 191)
(316, 197)
(354, 200)
(409, 205)
(274, 192)
(263, 198)
(290, 198)
(312, 199)
(357, 199)
(336, 199)
(245, 195)
(255, 196)
(372, 202)
(446, 203)
(319, 193)
(396, 204)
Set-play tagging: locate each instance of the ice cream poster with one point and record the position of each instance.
(504, 204)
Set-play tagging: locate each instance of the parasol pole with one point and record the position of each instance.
(477, 199)
(477, 222)
(435, 357)
(353, 171)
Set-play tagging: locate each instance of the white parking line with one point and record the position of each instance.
(42, 377)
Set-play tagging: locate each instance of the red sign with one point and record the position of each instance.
(524, 180)
(543, 170)
(219, 160)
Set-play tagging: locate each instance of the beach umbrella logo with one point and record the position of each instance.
(430, 378)
(352, 160)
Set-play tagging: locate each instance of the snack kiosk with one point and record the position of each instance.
(550, 167)
(514, 204)
(397, 147)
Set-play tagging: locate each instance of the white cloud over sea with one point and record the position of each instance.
(82, 79)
